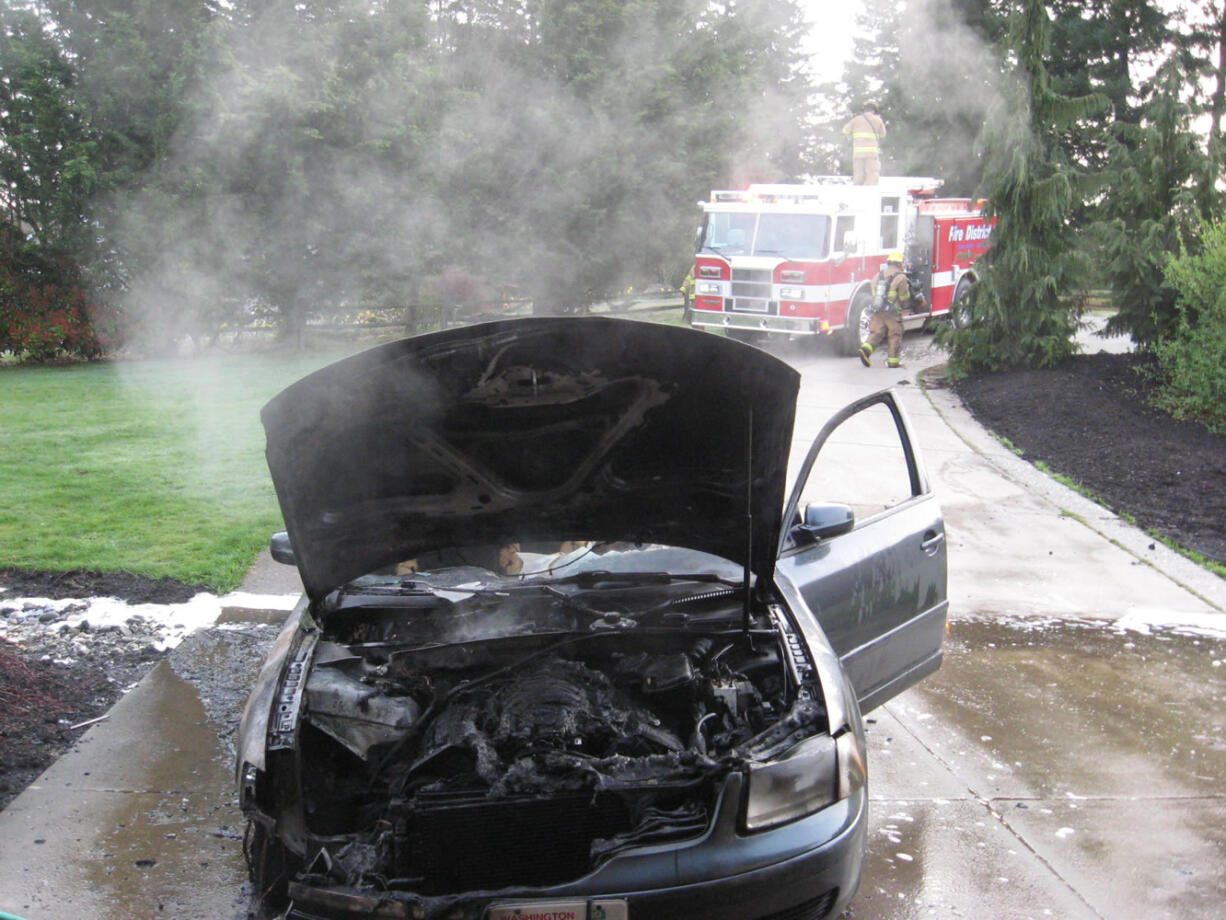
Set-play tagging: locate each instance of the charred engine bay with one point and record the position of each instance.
(590, 721)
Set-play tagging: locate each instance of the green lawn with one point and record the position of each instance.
(150, 467)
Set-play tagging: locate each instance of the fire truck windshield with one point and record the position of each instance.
(790, 236)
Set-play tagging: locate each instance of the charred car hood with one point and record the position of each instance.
(535, 429)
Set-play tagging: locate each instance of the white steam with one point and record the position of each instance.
(328, 167)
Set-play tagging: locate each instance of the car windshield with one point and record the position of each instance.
(483, 594)
(514, 563)
(792, 236)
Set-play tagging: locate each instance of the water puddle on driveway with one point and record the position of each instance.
(172, 845)
(1065, 769)
(1088, 708)
(141, 819)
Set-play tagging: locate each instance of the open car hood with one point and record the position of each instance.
(535, 429)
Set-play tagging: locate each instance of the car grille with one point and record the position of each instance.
(529, 843)
(814, 909)
(751, 290)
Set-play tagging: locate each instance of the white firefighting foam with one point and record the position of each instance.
(171, 623)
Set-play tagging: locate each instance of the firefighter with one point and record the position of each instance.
(687, 289)
(891, 295)
(866, 131)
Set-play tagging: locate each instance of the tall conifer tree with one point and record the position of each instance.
(933, 74)
(1151, 209)
(1023, 311)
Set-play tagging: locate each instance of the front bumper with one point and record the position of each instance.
(749, 322)
(805, 870)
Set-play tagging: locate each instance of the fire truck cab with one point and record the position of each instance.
(800, 259)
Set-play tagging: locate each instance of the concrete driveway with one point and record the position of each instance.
(1069, 759)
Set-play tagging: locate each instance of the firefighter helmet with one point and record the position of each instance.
(895, 256)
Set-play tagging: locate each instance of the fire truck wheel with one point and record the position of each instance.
(856, 332)
(959, 310)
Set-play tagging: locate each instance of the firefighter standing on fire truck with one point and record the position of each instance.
(891, 295)
(866, 131)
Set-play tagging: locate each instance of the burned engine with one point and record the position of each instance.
(437, 737)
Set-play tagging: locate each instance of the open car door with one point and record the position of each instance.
(864, 545)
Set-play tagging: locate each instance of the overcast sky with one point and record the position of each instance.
(830, 36)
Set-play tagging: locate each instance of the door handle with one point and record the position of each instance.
(932, 540)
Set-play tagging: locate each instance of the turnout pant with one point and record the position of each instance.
(865, 170)
(886, 324)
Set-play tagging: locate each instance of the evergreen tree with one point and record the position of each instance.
(1097, 46)
(47, 174)
(539, 148)
(1022, 311)
(1206, 50)
(933, 76)
(949, 75)
(1151, 209)
(869, 75)
(137, 63)
(47, 155)
(284, 158)
(988, 19)
(638, 109)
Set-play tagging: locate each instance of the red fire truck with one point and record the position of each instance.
(800, 259)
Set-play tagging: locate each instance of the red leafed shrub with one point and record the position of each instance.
(45, 312)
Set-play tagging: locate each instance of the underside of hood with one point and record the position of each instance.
(532, 430)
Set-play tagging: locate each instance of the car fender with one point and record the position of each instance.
(252, 739)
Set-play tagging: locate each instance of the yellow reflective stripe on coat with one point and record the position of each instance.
(864, 143)
(898, 288)
(865, 134)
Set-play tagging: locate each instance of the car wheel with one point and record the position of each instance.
(960, 309)
(855, 333)
(270, 865)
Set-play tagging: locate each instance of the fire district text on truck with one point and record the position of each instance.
(973, 232)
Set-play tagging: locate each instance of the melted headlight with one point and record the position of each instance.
(853, 772)
(801, 782)
(249, 777)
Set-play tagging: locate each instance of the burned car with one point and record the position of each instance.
(566, 649)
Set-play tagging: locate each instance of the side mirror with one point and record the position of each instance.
(827, 520)
(280, 548)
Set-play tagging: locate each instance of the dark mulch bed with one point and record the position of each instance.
(135, 589)
(41, 707)
(59, 679)
(1090, 420)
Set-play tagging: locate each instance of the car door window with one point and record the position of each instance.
(863, 464)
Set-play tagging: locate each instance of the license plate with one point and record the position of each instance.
(603, 909)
